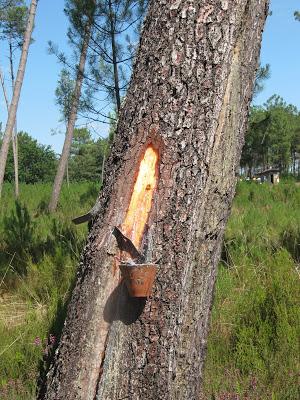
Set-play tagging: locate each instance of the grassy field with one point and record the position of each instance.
(253, 348)
(39, 254)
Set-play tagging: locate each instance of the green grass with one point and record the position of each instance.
(39, 254)
(253, 345)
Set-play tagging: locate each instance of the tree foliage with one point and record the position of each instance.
(86, 156)
(114, 44)
(273, 138)
(262, 74)
(13, 20)
(112, 47)
(37, 162)
(64, 93)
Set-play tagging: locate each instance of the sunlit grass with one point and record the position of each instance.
(253, 347)
(39, 254)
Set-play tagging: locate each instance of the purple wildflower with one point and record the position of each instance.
(37, 341)
(52, 338)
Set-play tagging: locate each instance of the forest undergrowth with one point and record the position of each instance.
(253, 346)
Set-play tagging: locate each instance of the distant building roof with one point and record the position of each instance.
(268, 171)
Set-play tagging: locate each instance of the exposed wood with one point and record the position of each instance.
(189, 97)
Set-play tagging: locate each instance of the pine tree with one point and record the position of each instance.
(81, 15)
(113, 45)
(183, 121)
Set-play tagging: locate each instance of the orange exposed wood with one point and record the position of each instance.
(141, 198)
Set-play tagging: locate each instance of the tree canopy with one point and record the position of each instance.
(37, 163)
(273, 138)
(86, 156)
(13, 19)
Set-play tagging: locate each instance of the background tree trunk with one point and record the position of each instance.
(71, 121)
(14, 141)
(114, 56)
(16, 93)
(189, 97)
(15, 132)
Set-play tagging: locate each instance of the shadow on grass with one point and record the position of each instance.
(54, 335)
(290, 240)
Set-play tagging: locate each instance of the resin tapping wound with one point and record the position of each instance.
(141, 198)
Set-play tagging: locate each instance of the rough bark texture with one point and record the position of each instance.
(16, 92)
(63, 161)
(189, 96)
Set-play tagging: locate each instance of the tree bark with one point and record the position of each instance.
(114, 57)
(189, 98)
(4, 90)
(14, 141)
(62, 165)
(16, 92)
(15, 132)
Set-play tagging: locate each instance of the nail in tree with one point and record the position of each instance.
(178, 142)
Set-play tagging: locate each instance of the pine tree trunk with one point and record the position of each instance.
(16, 160)
(188, 99)
(68, 181)
(17, 91)
(62, 165)
(114, 57)
(294, 162)
(15, 132)
(14, 139)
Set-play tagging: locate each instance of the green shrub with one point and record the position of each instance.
(19, 235)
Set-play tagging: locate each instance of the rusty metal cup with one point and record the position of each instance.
(139, 278)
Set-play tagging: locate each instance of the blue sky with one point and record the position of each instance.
(38, 114)
(281, 49)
